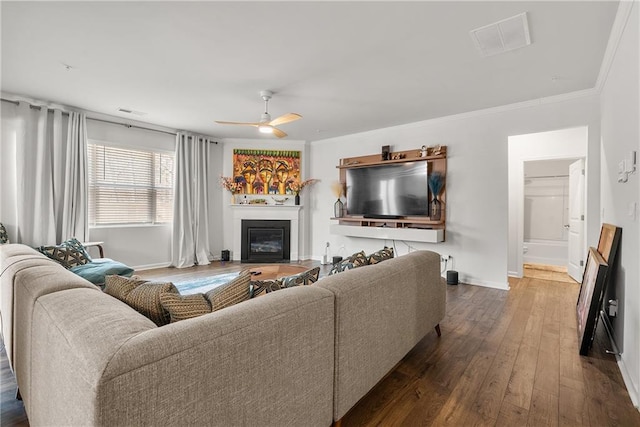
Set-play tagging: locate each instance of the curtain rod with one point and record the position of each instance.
(127, 125)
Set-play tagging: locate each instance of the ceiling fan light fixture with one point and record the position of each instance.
(265, 129)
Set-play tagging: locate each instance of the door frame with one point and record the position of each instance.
(568, 143)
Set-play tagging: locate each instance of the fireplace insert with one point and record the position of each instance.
(265, 241)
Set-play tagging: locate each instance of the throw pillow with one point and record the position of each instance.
(266, 286)
(141, 295)
(4, 237)
(359, 259)
(343, 265)
(69, 253)
(181, 307)
(381, 255)
(97, 270)
(305, 278)
(232, 293)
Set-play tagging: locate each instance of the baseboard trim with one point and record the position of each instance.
(631, 388)
(484, 283)
(151, 266)
(514, 274)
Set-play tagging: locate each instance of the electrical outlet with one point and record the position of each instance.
(445, 258)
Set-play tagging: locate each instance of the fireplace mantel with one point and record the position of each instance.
(285, 212)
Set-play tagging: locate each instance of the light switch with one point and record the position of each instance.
(632, 207)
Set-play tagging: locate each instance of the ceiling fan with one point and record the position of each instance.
(266, 125)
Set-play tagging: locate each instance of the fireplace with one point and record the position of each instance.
(265, 241)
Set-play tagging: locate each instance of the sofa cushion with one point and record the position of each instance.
(232, 293)
(381, 255)
(69, 253)
(181, 307)
(97, 270)
(141, 295)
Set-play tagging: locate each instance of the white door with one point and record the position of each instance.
(577, 252)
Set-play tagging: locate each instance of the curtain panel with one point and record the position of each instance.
(49, 194)
(190, 239)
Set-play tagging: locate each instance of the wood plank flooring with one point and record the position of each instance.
(505, 358)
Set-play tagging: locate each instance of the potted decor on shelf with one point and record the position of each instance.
(232, 185)
(338, 206)
(436, 184)
(297, 186)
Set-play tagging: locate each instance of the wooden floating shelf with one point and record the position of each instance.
(359, 164)
(408, 222)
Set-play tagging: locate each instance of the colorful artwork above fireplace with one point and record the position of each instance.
(266, 171)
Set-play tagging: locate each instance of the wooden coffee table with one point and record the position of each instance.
(276, 271)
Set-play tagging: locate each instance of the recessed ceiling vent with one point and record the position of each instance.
(129, 111)
(502, 36)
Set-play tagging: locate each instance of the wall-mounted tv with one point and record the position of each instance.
(393, 190)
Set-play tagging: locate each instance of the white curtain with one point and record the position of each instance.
(51, 176)
(75, 205)
(190, 242)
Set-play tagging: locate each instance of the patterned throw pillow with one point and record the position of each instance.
(69, 253)
(359, 259)
(381, 255)
(259, 287)
(232, 293)
(308, 277)
(4, 237)
(141, 295)
(343, 265)
(181, 307)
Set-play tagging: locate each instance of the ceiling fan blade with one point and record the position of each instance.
(277, 132)
(286, 118)
(237, 123)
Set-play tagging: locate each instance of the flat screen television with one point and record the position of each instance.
(394, 190)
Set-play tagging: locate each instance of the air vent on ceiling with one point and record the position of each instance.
(128, 111)
(502, 36)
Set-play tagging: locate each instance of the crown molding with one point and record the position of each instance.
(617, 29)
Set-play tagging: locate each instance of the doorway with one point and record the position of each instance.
(539, 199)
(553, 211)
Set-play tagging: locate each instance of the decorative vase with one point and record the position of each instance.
(435, 209)
(297, 199)
(233, 199)
(338, 209)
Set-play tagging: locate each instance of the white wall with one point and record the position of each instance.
(265, 144)
(558, 144)
(620, 135)
(477, 191)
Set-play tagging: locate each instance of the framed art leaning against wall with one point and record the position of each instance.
(588, 306)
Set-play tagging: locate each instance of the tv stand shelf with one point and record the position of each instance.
(425, 235)
(408, 222)
(410, 228)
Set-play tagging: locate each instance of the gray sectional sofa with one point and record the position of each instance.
(301, 356)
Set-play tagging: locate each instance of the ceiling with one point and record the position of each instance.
(346, 67)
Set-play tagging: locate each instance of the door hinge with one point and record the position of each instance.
(581, 263)
(582, 171)
(581, 217)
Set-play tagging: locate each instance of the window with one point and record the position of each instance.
(129, 186)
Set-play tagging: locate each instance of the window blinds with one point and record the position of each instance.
(129, 186)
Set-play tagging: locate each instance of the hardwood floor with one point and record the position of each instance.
(505, 358)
